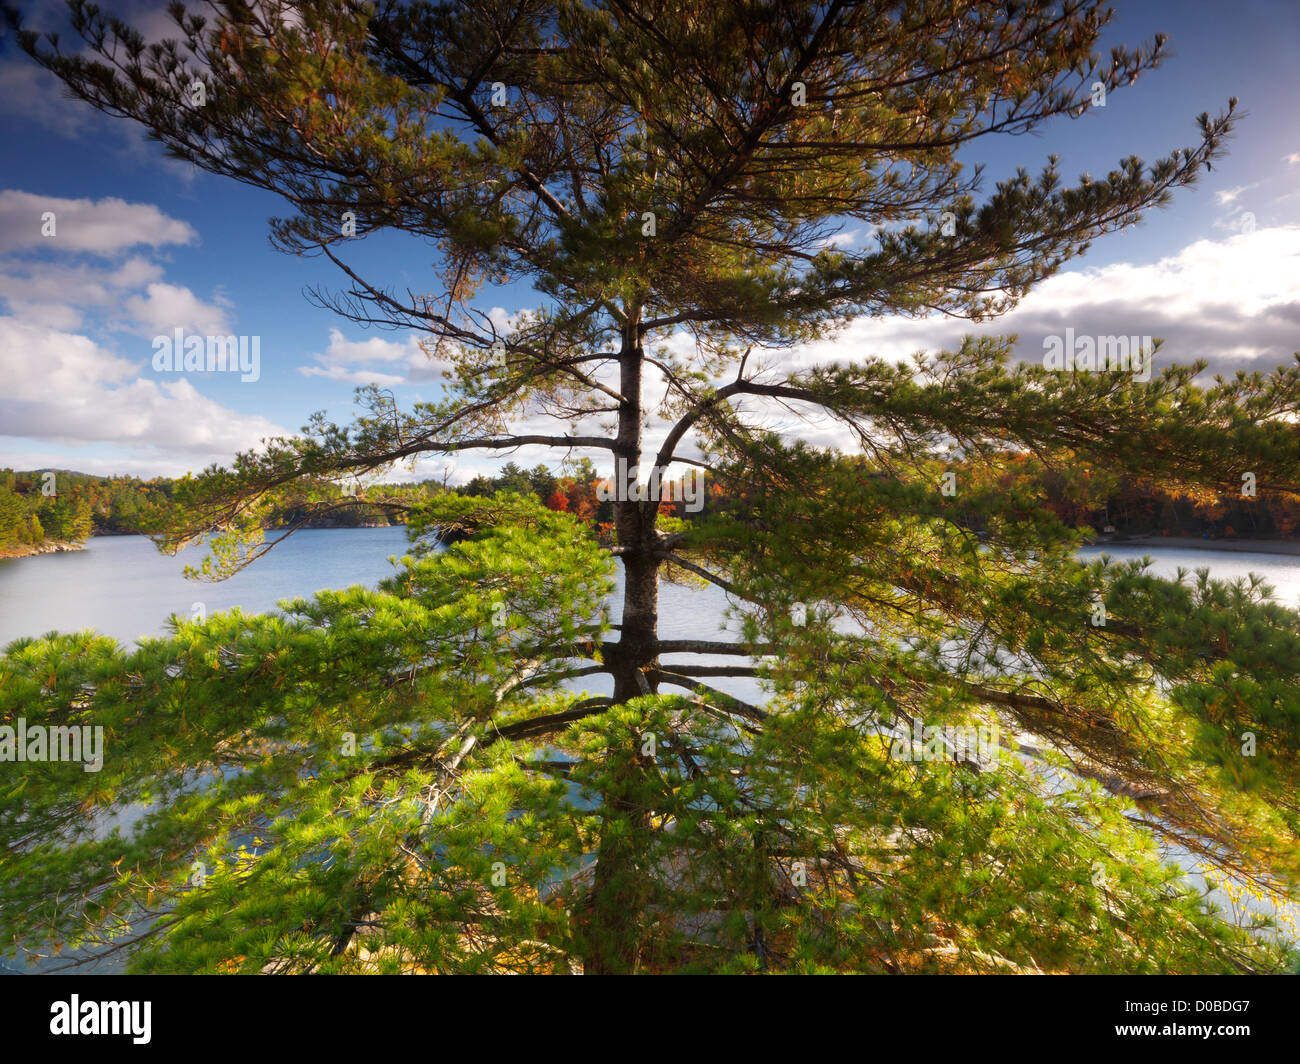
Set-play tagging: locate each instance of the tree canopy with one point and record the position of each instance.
(405, 779)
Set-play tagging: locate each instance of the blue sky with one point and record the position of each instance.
(145, 244)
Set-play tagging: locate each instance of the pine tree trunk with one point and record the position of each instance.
(617, 887)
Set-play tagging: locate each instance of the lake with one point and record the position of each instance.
(123, 587)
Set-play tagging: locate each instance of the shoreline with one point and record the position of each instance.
(1234, 546)
(27, 550)
(59, 546)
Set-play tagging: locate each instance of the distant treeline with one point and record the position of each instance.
(1132, 507)
(57, 506)
(579, 492)
(39, 508)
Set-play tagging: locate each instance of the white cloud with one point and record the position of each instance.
(1293, 158)
(356, 376)
(1237, 220)
(57, 293)
(846, 239)
(165, 307)
(59, 296)
(1229, 195)
(131, 294)
(342, 357)
(376, 349)
(84, 395)
(66, 391)
(1234, 302)
(102, 227)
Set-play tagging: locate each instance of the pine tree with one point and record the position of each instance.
(405, 784)
(11, 513)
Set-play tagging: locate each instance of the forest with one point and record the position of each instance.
(83, 505)
(526, 749)
(41, 507)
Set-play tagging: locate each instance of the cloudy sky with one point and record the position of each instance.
(145, 245)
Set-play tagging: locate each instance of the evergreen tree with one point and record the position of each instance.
(11, 514)
(401, 782)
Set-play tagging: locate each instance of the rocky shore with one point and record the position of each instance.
(1252, 546)
(50, 546)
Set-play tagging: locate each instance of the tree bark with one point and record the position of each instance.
(634, 524)
(618, 887)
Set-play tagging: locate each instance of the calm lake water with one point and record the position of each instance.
(123, 587)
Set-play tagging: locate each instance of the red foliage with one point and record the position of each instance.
(582, 499)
